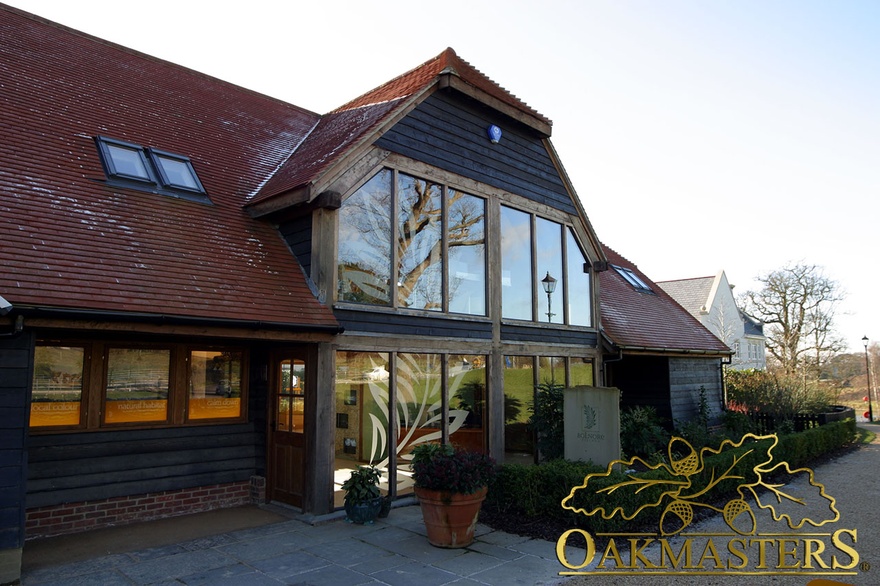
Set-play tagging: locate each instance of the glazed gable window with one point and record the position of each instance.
(411, 243)
(533, 248)
(145, 386)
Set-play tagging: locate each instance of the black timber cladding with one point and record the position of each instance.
(298, 235)
(526, 333)
(15, 382)
(450, 133)
(80, 467)
(412, 325)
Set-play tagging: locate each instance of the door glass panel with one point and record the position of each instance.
(284, 414)
(291, 396)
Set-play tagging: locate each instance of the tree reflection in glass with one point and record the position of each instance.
(467, 253)
(365, 243)
(419, 244)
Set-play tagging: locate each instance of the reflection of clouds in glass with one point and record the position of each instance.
(516, 239)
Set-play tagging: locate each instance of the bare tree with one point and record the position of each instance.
(797, 303)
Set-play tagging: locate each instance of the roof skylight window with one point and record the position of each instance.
(125, 160)
(632, 278)
(175, 171)
(131, 165)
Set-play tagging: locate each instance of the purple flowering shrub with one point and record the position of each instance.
(444, 468)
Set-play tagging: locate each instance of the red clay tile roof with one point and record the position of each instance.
(68, 240)
(347, 125)
(649, 321)
(420, 77)
(334, 134)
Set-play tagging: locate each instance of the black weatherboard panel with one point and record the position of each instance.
(450, 133)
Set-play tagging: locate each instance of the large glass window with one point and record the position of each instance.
(551, 370)
(418, 390)
(466, 397)
(578, 284)
(467, 253)
(419, 243)
(137, 385)
(437, 239)
(385, 400)
(581, 372)
(519, 396)
(215, 384)
(516, 264)
(548, 240)
(365, 243)
(58, 386)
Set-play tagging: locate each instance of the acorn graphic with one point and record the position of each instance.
(676, 516)
(686, 465)
(739, 516)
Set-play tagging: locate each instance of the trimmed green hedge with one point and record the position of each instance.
(536, 492)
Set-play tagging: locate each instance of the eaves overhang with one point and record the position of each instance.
(671, 351)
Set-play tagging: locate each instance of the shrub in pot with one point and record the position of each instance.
(450, 485)
(363, 501)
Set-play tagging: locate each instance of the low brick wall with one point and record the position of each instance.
(86, 516)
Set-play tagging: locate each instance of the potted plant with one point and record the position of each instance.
(450, 485)
(363, 501)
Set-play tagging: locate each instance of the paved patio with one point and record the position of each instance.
(289, 549)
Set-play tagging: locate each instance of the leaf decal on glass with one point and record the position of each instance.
(699, 479)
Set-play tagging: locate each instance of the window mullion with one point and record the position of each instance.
(565, 319)
(444, 248)
(533, 229)
(395, 235)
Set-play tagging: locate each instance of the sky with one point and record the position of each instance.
(699, 135)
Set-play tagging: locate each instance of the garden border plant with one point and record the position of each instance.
(531, 496)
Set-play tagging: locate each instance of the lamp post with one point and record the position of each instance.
(549, 284)
(870, 386)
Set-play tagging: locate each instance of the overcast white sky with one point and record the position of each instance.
(700, 135)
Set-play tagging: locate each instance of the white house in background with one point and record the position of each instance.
(711, 300)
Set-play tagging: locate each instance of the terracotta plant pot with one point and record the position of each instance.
(450, 517)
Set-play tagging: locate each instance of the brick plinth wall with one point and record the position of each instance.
(85, 516)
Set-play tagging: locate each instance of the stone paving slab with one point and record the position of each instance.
(393, 551)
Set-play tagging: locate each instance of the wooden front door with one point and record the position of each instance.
(286, 427)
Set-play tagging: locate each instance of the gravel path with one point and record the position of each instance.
(852, 479)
